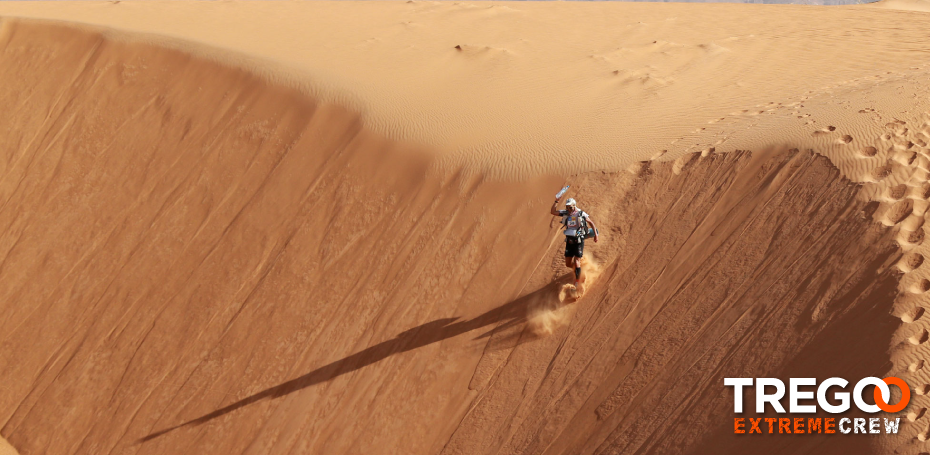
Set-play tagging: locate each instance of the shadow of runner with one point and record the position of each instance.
(511, 313)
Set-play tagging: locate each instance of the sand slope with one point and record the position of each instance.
(200, 259)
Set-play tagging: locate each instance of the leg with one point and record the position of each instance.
(569, 254)
(576, 262)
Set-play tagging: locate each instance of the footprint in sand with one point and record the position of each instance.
(900, 211)
(916, 414)
(919, 337)
(881, 172)
(923, 389)
(869, 151)
(921, 286)
(897, 192)
(915, 238)
(845, 139)
(914, 367)
(910, 262)
(912, 315)
(823, 131)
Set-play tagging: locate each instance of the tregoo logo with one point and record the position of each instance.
(805, 396)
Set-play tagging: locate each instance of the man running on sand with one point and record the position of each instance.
(576, 224)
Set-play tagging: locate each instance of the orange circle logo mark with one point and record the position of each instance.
(905, 395)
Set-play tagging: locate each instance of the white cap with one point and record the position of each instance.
(570, 202)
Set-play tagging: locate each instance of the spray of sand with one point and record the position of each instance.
(543, 319)
(551, 313)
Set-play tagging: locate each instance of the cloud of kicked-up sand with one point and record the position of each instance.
(548, 315)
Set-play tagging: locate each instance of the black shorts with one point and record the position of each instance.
(574, 247)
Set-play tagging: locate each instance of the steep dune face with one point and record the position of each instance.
(195, 260)
(739, 266)
(156, 208)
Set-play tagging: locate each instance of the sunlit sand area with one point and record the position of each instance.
(324, 227)
(6, 448)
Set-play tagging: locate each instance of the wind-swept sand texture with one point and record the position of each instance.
(904, 5)
(521, 88)
(203, 252)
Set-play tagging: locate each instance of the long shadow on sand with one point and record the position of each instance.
(512, 313)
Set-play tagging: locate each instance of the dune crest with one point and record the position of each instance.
(601, 85)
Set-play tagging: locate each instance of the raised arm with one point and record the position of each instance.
(554, 210)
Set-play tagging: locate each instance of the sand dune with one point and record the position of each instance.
(310, 235)
(551, 86)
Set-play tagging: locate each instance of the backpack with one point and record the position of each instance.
(583, 231)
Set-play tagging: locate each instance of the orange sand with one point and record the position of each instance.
(319, 227)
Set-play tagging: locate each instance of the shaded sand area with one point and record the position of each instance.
(324, 240)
